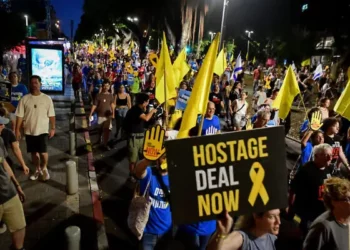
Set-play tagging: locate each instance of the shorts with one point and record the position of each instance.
(104, 122)
(135, 147)
(37, 143)
(238, 121)
(13, 116)
(11, 213)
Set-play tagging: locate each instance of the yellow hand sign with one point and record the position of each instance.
(316, 119)
(249, 125)
(153, 147)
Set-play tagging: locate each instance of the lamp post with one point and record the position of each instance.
(26, 17)
(212, 34)
(223, 21)
(249, 33)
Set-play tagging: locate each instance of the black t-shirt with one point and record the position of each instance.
(216, 98)
(132, 123)
(8, 137)
(335, 142)
(234, 95)
(308, 187)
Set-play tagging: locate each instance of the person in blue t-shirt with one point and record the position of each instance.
(18, 90)
(308, 142)
(155, 180)
(211, 124)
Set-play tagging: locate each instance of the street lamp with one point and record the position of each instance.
(212, 34)
(133, 19)
(249, 33)
(223, 21)
(26, 17)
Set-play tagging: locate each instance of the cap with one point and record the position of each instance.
(4, 120)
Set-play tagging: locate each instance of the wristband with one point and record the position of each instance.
(221, 237)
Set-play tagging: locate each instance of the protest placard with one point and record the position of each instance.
(5, 91)
(240, 172)
(182, 99)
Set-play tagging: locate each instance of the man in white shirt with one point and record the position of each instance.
(37, 110)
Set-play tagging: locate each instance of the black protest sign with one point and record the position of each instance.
(240, 172)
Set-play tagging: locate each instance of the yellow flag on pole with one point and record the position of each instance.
(131, 48)
(286, 95)
(342, 107)
(220, 64)
(180, 67)
(165, 77)
(198, 101)
(306, 62)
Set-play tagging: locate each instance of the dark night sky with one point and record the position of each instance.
(263, 17)
(67, 10)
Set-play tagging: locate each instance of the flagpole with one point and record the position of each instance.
(165, 91)
(223, 23)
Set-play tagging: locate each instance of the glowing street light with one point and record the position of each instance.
(212, 34)
(249, 33)
(133, 19)
(26, 17)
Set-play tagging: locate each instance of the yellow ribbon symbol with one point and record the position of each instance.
(257, 174)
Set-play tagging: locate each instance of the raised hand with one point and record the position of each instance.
(316, 119)
(153, 147)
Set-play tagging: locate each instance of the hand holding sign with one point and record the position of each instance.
(316, 121)
(153, 147)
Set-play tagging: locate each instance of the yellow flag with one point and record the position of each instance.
(342, 107)
(198, 101)
(246, 56)
(306, 62)
(220, 64)
(254, 60)
(165, 77)
(286, 95)
(180, 67)
(131, 48)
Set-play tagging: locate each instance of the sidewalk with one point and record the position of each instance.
(48, 209)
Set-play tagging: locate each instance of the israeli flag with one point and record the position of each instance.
(238, 68)
(318, 72)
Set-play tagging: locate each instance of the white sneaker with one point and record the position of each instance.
(3, 228)
(36, 175)
(46, 175)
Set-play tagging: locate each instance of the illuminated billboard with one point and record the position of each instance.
(47, 61)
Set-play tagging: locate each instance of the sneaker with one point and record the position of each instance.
(3, 228)
(36, 175)
(46, 175)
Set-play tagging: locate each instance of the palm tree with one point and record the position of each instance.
(192, 12)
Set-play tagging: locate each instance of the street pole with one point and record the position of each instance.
(249, 33)
(223, 22)
(248, 46)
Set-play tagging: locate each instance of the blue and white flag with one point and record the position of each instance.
(318, 72)
(238, 68)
